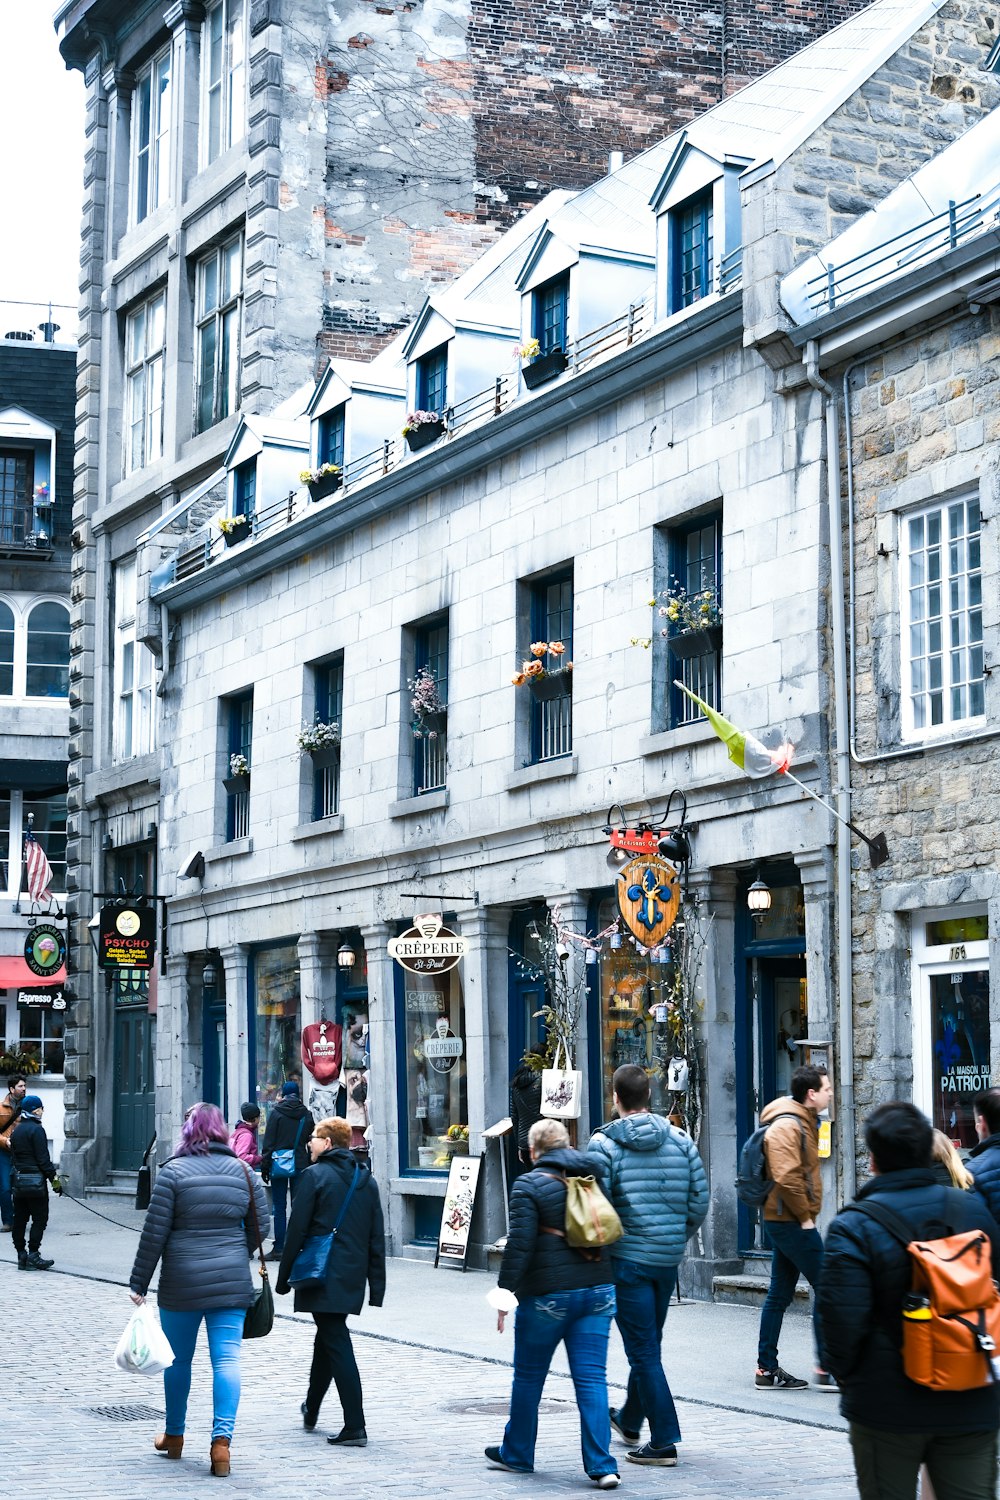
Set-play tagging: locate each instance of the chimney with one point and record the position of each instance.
(616, 159)
(49, 330)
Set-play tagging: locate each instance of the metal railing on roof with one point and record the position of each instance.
(912, 247)
(597, 344)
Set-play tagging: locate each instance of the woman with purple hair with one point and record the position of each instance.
(200, 1227)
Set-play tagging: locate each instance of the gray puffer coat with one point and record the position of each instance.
(199, 1223)
(654, 1177)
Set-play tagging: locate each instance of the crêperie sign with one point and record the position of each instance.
(428, 947)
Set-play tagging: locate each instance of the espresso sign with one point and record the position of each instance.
(126, 937)
(428, 947)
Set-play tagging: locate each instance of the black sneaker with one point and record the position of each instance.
(823, 1381)
(493, 1457)
(22, 1260)
(625, 1433)
(37, 1262)
(665, 1458)
(779, 1380)
(348, 1438)
(308, 1422)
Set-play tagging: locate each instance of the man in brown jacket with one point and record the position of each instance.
(791, 1152)
(10, 1109)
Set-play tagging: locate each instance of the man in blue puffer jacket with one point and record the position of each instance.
(654, 1177)
(984, 1159)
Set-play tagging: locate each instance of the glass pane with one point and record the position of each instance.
(963, 929)
(232, 256)
(48, 652)
(228, 364)
(960, 1032)
(206, 377)
(156, 325)
(237, 74)
(49, 811)
(209, 299)
(434, 1063)
(276, 986)
(6, 650)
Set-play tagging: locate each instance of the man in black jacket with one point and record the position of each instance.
(32, 1172)
(984, 1159)
(289, 1128)
(895, 1424)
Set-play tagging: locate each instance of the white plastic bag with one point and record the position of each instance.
(143, 1348)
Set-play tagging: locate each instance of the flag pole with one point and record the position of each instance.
(878, 849)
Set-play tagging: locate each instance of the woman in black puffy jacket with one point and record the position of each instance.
(200, 1227)
(561, 1295)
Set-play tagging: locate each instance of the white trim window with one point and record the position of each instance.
(223, 78)
(219, 296)
(942, 618)
(953, 1042)
(145, 350)
(134, 674)
(151, 107)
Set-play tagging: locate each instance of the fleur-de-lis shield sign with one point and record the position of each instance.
(649, 894)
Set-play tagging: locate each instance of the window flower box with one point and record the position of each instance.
(701, 642)
(236, 784)
(420, 434)
(551, 685)
(234, 530)
(543, 368)
(322, 482)
(324, 755)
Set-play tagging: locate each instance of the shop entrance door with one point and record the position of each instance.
(213, 1085)
(135, 1097)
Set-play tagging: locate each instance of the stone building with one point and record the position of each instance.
(902, 315)
(680, 434)
(263, 186)
(37, 380)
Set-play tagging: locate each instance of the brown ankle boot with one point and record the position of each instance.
(219, 1455)
(169, 1444)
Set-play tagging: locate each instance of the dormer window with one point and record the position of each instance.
(330, 438)
(691, 251)
(549, 308)
(432, 380)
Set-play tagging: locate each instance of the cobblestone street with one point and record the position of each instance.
(433, 1403)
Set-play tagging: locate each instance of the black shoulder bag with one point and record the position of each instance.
(260, 1314)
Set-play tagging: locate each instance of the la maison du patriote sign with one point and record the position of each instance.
(428, 947)
(126, 937)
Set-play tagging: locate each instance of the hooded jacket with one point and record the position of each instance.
(791, 1151)
(282, 1128)
(10, 1109)
(243, 1143)
(535, 1260)
(983, 1162)
(199, 1225)
(29, 1150)
(866, 1275)
(358, 1254)
(654, 1177)
(525, 1102)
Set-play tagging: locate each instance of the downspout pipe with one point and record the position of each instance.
(845, 974)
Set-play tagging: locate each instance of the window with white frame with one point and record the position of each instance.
(218, 294)
(151, 106)
(47, 808)
(145, 341)
(942, 617)
(224, 77)
(952, 1030)
(34, 647)
(134, 674)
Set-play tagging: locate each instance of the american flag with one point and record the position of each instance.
(38, 868)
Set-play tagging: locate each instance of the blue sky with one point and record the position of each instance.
(41, 164)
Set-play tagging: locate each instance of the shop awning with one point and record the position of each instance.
(15, 974)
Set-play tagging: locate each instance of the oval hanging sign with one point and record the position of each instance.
(649, 896)
(45, 950)
(428, 947)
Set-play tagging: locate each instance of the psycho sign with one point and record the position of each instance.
(126, 937)
(649, 894)
(428, 947)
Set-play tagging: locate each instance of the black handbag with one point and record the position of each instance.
(27, 1184)
(259, 1318)
(308, 1273)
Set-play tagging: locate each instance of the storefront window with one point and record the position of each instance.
(952, 1020)
(433, 1068)
(42, 1037)
(635, 1019)
(277, 1021)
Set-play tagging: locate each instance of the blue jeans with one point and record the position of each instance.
(582, 1321)
(794, 1249)
(224, 1326)
(6, 1201)
(279, 1206)
(644, 1294)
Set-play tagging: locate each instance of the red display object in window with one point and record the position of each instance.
(322, 1050)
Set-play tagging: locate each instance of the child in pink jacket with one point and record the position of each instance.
(244, 1138)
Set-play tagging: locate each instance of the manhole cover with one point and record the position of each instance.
(125, 1413)
(485, 1407)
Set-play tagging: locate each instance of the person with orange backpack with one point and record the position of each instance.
(909, 1315)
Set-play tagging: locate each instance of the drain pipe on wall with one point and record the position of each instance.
(845, 976)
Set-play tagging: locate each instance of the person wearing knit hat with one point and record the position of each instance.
(290, 1089)
(284, 1154)
(33, 1170)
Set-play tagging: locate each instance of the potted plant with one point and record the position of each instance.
(19, 1062)
(422, 428)
(430, 715)
(538, 368)
(321, 741)
(238, 779)
(545, 683)
(322, 481)
(693, 621)
(235, 529)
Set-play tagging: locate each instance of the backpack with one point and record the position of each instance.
(951, 1316)
(591, 1221)
(752, 1182)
